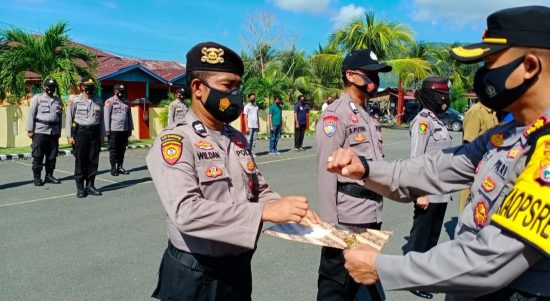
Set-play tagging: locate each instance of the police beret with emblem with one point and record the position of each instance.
(441, 84)
(364, 59)
(527, 26)
(210, 56)
(86, 80)
(49, 82)
(119, 87)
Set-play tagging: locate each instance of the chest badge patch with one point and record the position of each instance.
(171, 148)
(488, 184)
(423, 128)
(250, 165)
(544, 175)
(353, 118)
(214, 172)
(329, 125)
(513, 153)
(201, 144)
(497, 139)
(360, 138)
(481, 212)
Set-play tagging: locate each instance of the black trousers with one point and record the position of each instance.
(335, 283)
(46, 147)
(118, 140)
(299, 133)
(190, 277)
(86, 153)
(426, 227)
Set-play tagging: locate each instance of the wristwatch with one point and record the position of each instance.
(365, 163)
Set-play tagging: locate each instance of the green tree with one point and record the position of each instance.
(48, 55)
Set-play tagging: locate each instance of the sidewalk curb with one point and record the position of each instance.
(25, 156)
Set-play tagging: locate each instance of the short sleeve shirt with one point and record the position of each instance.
(301, 111)
(251, 112)
(276, 114)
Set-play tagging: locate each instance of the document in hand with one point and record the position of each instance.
(328, 235)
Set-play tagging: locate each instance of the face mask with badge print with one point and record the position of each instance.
(371, 83)
(224, 106)
(490, 85)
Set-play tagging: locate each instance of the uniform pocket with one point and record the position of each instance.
(45, 108)
(214, 181)
(361, 144)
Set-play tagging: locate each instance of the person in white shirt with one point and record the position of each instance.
(328, 101)
(252, 120)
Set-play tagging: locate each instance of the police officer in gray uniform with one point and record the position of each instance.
(214, 195)
(85, 130)
(177, 108)
(501, 249)
(118, 127)
(429, 135)
(44, 128)
(346, 123)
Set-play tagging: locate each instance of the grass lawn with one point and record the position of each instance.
(27, 149)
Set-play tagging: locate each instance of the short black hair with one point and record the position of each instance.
(301, 96)
(202, 75)
(276, 97)
(251, 94)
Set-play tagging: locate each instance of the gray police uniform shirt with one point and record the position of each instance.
(482, 258)
(176, 112)
(44, 115)
(429, 135)
(210, 187)
(117, 115)
(344, 124)
(84, 111)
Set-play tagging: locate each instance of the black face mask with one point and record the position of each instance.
(90, 90)
(489, 85)
(434, 100)
(50, 90)
(370, 87)
(224, 106)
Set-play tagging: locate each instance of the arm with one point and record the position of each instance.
(472, 125)
(420, 133)
(171, 114)
(102, 129)
(108, 110)
(487, 262)
(69, 119)
(270, 119)
(32, 115)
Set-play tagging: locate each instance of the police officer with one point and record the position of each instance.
(429, 135)
(44, 128)
(177, 108)
(346, 123)
(85, 130)
(211, 188)
(118, 127)
(501, 249)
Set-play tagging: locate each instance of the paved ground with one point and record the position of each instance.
(54, 246)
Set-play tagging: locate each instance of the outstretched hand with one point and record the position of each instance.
(345, 162)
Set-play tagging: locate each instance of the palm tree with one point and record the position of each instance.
(48, 55)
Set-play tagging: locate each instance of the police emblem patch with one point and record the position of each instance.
(423, 128)
(199, 128)
(544, 175)
(329, 125)
(238, 142)
(481, 212)
(224, 104)
(488, 184)
(214, 172)
(212, 55)
(171, 148)
(250, 165)
(353, 118)
(360, 138)
(201, 144)
(497, 139)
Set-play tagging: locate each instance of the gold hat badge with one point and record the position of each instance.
(212, 55)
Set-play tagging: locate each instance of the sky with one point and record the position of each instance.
(167, 29)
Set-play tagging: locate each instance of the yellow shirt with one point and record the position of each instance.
(477, 121)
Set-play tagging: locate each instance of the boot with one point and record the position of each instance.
(37, 181)
(114, 170)
(80, 191)
(90, 188)
(122, 170)
(51, 179)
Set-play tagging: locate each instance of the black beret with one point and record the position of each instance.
(119, 87)
(210, 56)
(180, 91)
(436, 83)
(364, 59)
(86, 80)
(49, 82)
(527, 26)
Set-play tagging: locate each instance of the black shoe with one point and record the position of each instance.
(123, 171)
(81, 193)
(114, 171)
(422, 294)
(51, 179)
(90, 188)
(38, 182)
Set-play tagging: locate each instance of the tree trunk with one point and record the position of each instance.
(400, 102)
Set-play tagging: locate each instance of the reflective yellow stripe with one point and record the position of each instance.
(526, 210)
(495, 40)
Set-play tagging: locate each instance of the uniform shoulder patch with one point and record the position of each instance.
(497, 139)
(329, 125)
(423, 127)
(171, 148)
(525, 212)
(353, 107)
(423, 114)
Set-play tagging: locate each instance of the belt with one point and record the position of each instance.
(46, 122)
(357, 191)
(193, 260)
(87, 127)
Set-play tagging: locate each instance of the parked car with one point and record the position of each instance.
(412, 107)
(452, 119)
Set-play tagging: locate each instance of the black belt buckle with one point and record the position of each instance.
(357, 191)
